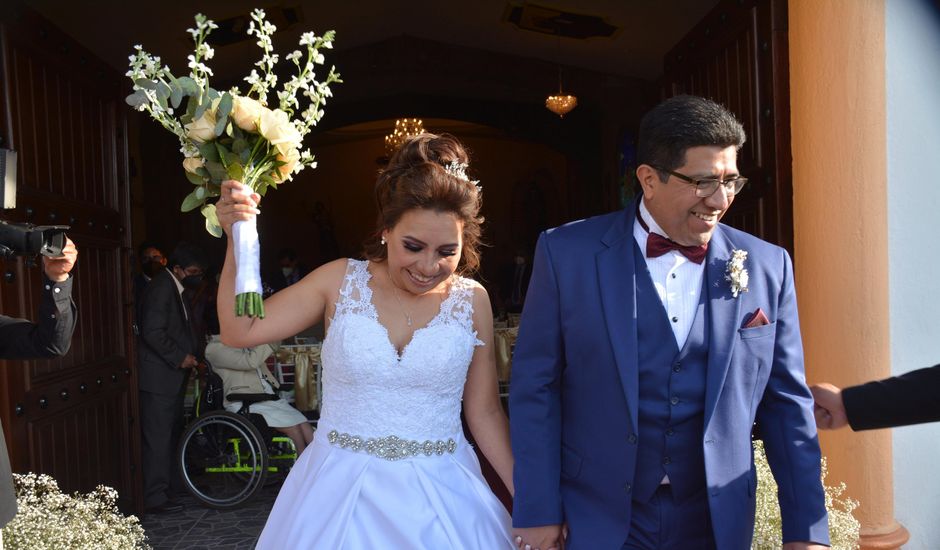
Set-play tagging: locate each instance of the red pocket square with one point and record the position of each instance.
(757, 319)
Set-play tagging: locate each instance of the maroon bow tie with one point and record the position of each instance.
(657, 245)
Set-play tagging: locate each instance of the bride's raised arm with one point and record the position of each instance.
(287, 312)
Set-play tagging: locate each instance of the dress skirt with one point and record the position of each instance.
(338, 499)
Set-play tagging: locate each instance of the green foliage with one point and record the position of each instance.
(768, 529)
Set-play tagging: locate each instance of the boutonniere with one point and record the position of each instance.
(735, 272)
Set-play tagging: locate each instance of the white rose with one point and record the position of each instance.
(190, 164)
(279, 131)
(246, 113)
(203, 129)
(284, 171)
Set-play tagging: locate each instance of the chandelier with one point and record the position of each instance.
(404, 129)
(563, 103)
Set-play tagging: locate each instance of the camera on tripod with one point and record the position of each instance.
(24, 239)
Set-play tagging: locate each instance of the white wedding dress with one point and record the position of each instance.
(389, 466)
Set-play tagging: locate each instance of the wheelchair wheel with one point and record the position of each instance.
(223, 459)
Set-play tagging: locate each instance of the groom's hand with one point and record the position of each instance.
(804, 546)
(546, 537)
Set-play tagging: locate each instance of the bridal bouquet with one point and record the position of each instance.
(231, 135)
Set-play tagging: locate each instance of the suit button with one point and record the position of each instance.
(670, 432)
(632, 438)
(667, 460)
(676, 367)
(675, 319)
(673, 275)
(628, 487)
(674, 400)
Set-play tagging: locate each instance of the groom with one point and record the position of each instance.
(646, 355)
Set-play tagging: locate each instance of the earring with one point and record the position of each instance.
(383, 240)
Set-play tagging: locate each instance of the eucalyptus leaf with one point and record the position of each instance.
(230, 158)
(217, 172)
(214, 189)
(176, 93)
(136, 99)
(222, 112)
(212, 93)
(208, 151)
(163, 91)
(146, 83)
(201, 109)
(239, 145)
(202, 171)
(200, 192)
(236, 171)
(188, 85)
(191, 201)
(195, 179)
(212, 220)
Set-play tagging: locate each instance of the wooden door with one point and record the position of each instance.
(738, 56)
(63, 112)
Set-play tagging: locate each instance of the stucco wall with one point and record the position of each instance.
(912, 48)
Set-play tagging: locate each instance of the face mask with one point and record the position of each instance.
(287, 271)
(151, 268)
(191, 281)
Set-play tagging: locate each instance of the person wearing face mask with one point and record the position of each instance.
(151, 260)
(167, 354)
(290, 270)
(409, 343)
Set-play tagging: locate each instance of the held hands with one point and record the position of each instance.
(188, 362)
(236, 204)
(545, 537)
(829, 410)
(57, 269)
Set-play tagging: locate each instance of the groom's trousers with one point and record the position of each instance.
(661, 523)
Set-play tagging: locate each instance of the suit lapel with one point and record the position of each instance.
(724, 312)
(616, 274)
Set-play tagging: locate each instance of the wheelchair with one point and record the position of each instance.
(225, 458)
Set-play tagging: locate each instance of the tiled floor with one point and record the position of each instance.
(197, 527)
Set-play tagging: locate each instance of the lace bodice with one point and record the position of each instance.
(370, 390)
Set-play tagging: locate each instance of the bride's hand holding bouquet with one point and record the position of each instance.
(233, 136)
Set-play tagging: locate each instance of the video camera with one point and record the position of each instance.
(24, 239)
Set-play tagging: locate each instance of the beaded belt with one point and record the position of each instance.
(391, 447)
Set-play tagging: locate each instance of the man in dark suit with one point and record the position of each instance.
(152, 261)
(51, 336)
(651, 341)
(167, 354)
(911, 398)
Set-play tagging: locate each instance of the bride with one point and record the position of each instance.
(409, 341)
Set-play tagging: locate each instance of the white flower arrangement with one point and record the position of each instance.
(230, 135)
(735, 273)
(47, 519)
(768, 526)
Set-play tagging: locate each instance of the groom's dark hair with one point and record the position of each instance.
(682, 122)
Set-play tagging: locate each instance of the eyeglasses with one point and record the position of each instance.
(706, 187)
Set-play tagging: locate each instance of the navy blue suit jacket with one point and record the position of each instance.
(573, 398)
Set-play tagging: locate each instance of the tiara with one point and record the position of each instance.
(459, 171)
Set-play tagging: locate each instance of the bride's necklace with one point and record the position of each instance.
(408, 318)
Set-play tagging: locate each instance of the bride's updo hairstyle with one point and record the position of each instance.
(428, 172)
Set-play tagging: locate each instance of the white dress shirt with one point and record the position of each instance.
(678, 280)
